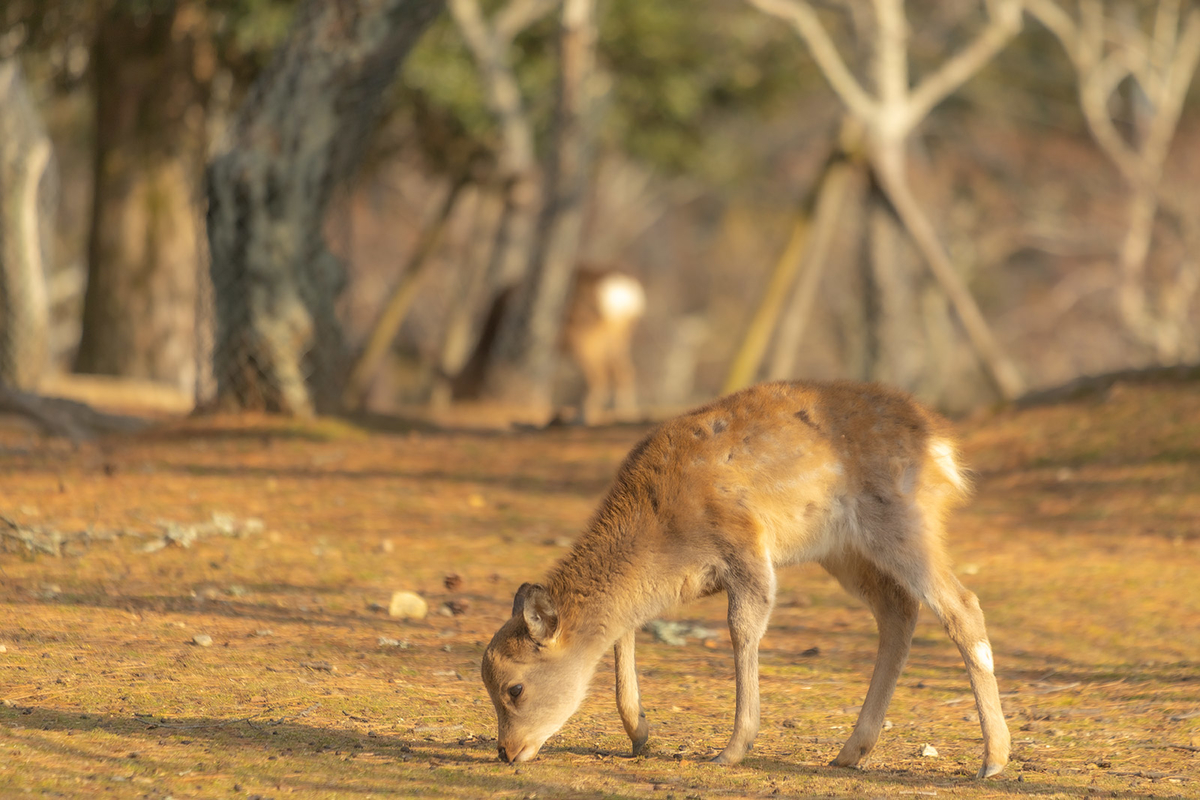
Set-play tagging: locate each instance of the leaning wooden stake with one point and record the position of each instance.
(398, 303)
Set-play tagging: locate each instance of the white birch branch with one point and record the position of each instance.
(1003, 26)
(804, 20)
(519, 15)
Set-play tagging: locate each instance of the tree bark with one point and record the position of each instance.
(139, 307)
(28, 188)
(299, 133)
(522, 369)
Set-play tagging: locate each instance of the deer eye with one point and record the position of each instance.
(515, 690)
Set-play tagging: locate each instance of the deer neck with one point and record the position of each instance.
(604, 587)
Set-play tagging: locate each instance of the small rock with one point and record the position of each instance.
(677, 633)
(929, 751)
(3, 649)
(810, 652)
(408, 605)
(386, 546)
(202, 640)
(452, 582)
(789, 723)
(887, 725)
(386, 641)
(263, 632)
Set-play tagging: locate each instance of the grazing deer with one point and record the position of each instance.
(603, 310)
(854, 477)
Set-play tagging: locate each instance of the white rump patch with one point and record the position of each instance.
(943, 455)
(983, 653)
(621, 297)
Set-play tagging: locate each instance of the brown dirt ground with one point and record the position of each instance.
(1083, 544)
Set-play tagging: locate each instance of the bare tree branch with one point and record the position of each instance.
(1058, 22)
(1004, 24)
(501, 89)
(1105, 51)
(519, 15)
(804, 20)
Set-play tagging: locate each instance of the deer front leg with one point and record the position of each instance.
(629, 701)
(750, 602)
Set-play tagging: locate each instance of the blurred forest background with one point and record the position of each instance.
(309, 206)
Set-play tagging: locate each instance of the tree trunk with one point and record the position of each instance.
(523, 366)
(139, 308)
(298, 134)
(28, 188)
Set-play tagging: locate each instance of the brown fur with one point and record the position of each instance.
(855, 477)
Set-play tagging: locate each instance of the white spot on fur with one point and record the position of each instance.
(983, 653)
(621, 297)
(943, 455)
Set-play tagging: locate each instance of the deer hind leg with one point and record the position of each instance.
(629, 701)
(590, 356)
(895, 609)
(917, 562)
(960, 614)
(751, 590)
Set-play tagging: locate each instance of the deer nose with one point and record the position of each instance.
(503, 754)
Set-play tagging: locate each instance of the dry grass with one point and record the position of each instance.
(1083, 544)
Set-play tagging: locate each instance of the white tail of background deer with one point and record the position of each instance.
(855, 477)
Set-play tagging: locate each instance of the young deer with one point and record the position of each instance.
(855, 477)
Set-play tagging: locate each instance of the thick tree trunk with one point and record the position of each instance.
(28, 188)
(139, 308)
(298, 134)
(523, 367)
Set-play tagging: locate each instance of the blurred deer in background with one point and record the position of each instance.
(602, 312)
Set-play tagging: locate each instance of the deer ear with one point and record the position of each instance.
(519, 598)
(533, 602)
